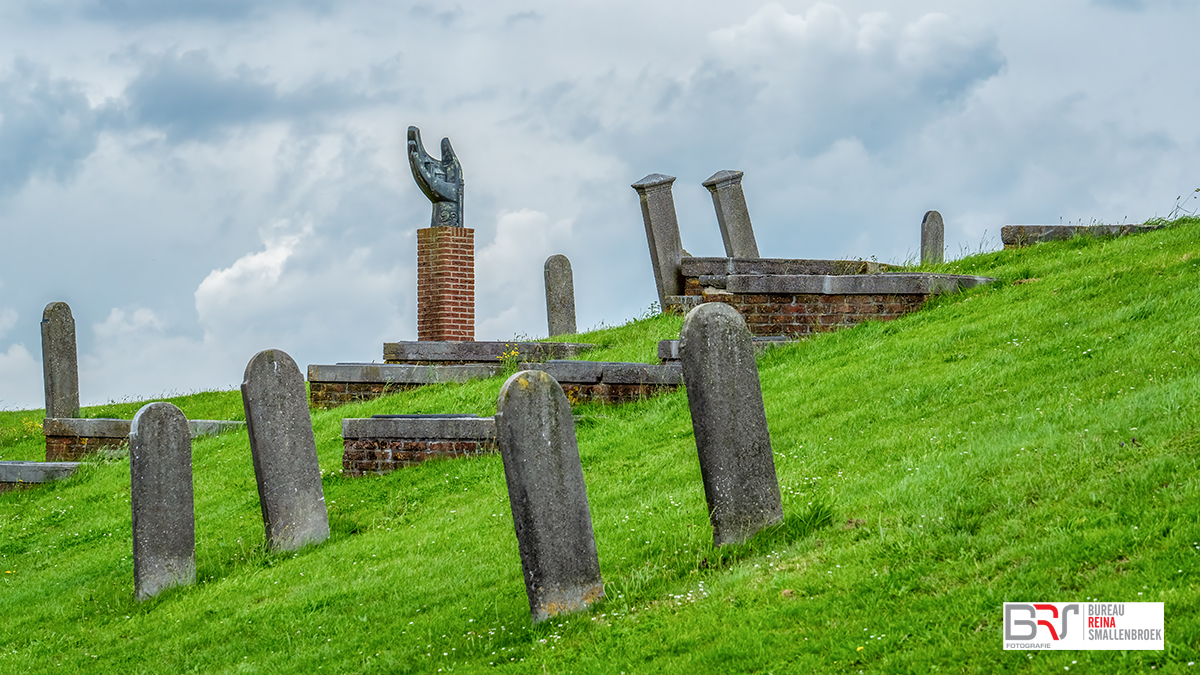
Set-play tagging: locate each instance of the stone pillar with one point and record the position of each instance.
(284, 451)
(560, 296)
(536, 434)
(933, 237)
(662, 233)
(60, 361)
(164, 524)
(732, 216)
(446, 284)
(729, 422)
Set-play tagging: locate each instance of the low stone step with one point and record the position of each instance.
(383, 443)
(15, 475)
(71, 438)
(610, 381)
(668, 350)
(1013, 236)
(331, 386)
(479, 352)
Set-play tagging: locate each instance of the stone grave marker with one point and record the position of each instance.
(730, 423)
(284, 450)
(60, 361)
(933, 238)
(560, 295)
(536, 434)
(164, 525)
(662, 233)
(732, 215)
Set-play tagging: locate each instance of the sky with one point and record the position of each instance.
(204, 179)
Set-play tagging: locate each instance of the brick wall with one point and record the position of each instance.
(612, 393)
(446, 284)
(797, 315)
(332, 394)
(362, 456)
(792, 315)
(75, 448)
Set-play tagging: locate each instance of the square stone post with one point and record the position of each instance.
(662, 233)
(446, 284)
(732, 215)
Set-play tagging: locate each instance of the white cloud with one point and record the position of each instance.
(509, 279)
(8, 319)
(21, 375)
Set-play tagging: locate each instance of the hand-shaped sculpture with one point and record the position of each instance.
(440, 180)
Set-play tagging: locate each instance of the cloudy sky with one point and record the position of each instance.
(202, 179)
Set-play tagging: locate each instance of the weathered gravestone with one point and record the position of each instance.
(729, 422)
(164, 526)
(560, 296)
(933, 238)
(662, 233)
(60, 364)
(732, 215)
(285, 452)
(536, 434)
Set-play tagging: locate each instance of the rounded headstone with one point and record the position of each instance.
(536, 434)
(560, 295)
(730, 423)
(60, 363)
(284, 450)
(164, 528)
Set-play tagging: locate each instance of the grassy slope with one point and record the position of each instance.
(979, 451)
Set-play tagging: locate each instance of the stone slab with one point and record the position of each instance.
(452, 428)
(481, 352)
(1025, 235)
(609, 372)
(854, 284)
(668, 350)
(696, 267)
(402, 373)
(35, 472)
(103, 427)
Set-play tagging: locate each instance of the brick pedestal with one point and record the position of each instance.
(446, 284)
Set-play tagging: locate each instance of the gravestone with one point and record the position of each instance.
(730, 423)
(560, 296)
(440, 179)
(60, 361)
(662, 233)
(933, 237)
(732, 215)
(164, 526)
(536, 434)
(284, 450)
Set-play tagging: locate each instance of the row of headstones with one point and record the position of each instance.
(284, 452)
(536, 435)
(666, 248)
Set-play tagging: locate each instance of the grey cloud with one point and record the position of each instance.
(155, 11)
(189, 98)
(47, 126)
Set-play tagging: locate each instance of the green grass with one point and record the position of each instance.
(1020, 442)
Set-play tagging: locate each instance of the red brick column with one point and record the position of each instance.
(446, 284)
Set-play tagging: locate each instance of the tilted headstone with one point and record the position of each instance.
(440, 180)
(933, 238)
(662, 233)
(732, 215)
(730, 423)
(164, 522)
(285, 452)
(560, 295)
(60, 361)
(536, 434)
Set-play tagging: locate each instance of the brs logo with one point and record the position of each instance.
(1025, 616)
